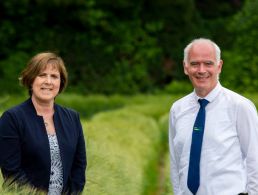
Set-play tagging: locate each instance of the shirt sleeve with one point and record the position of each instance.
(247, 127)
(10, 150)
(173, 162)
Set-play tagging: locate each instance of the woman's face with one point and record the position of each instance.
(46, 85)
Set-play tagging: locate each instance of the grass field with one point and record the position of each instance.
(126, 141)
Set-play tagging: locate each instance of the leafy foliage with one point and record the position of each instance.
(126, 47)
(8, 71)
(241, 63)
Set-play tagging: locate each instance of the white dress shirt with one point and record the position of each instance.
(229, 156)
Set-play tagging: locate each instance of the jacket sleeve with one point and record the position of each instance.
(10, 150)
(77, 176)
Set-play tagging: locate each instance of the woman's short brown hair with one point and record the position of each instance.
(38, 63)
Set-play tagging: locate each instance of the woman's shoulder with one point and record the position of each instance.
(65, 110)
(17, 113)
(19, 108)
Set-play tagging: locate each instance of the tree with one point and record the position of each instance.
(241, 67)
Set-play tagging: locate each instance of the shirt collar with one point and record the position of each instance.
(212, 95)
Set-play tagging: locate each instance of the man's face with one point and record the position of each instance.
(201, 67)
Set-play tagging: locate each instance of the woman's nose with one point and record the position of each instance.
(48, 79)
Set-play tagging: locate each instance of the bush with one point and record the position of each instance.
(179, 87)
(89, 105)
(241, 63)
(10, 70)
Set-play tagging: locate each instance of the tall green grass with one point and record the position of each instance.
(126, 139)
(89, 105)
(165, 188)
(120, 145)
(122, 139)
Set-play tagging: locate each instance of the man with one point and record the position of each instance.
(213, 141)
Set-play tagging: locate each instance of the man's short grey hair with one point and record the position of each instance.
(189, 46)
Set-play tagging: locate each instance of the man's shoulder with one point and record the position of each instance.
(234, 95)
(182, 101)
(236, 98)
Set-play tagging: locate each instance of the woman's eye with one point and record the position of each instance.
(42, 75)
(55, 76)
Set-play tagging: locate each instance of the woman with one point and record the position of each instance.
(42, 143)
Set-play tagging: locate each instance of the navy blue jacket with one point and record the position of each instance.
(25, 151)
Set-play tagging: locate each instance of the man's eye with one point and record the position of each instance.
(209, 63)
(194, 63)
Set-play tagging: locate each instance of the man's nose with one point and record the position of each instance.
(202, 68)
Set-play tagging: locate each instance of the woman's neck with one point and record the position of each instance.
(43, 108)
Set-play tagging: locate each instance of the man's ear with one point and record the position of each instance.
(185, 68)
(220, 65)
